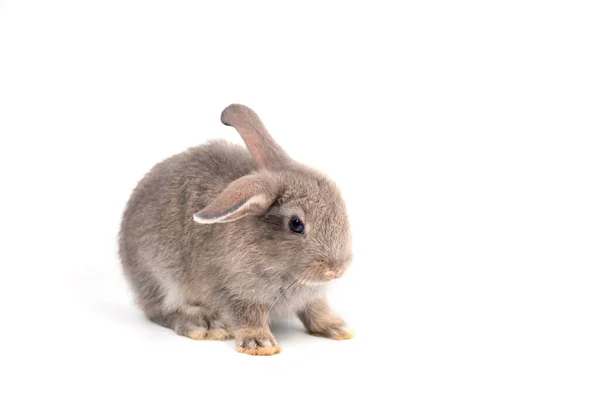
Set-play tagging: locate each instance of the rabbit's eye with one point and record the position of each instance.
(296, 225)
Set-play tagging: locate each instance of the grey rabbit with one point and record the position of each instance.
(218, 240)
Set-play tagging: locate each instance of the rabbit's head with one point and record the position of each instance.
(293, 215)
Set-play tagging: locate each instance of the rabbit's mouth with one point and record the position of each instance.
(322, 279)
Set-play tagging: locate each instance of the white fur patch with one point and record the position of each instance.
(173, 298)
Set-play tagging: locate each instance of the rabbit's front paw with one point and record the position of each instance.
(201, 333)
(256, 342)
(335, 332)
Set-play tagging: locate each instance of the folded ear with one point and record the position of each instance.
(251, 194)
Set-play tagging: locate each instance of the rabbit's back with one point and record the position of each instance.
(157, 229)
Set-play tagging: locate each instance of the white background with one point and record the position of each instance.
(464, 136)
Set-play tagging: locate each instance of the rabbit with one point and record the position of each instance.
(217, 241)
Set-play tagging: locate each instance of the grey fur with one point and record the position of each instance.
(202, 280)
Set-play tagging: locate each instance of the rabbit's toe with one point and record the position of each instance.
(197, 333)
(201, 333)
(258, 345)
(335, 333)
(219, 334)
(217, 329)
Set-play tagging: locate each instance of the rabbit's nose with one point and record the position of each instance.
(329, 275)
(339, 268)
(341, 272)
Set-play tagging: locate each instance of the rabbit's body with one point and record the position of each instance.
(192, 263)
(204, 278)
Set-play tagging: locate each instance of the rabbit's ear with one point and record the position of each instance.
(261, 145)
(251, 194)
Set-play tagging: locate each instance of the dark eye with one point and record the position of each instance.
(296, 225)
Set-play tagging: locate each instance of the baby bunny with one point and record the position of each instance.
(218, 240)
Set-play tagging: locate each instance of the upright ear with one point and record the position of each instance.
(261, 145)
(251, 194)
